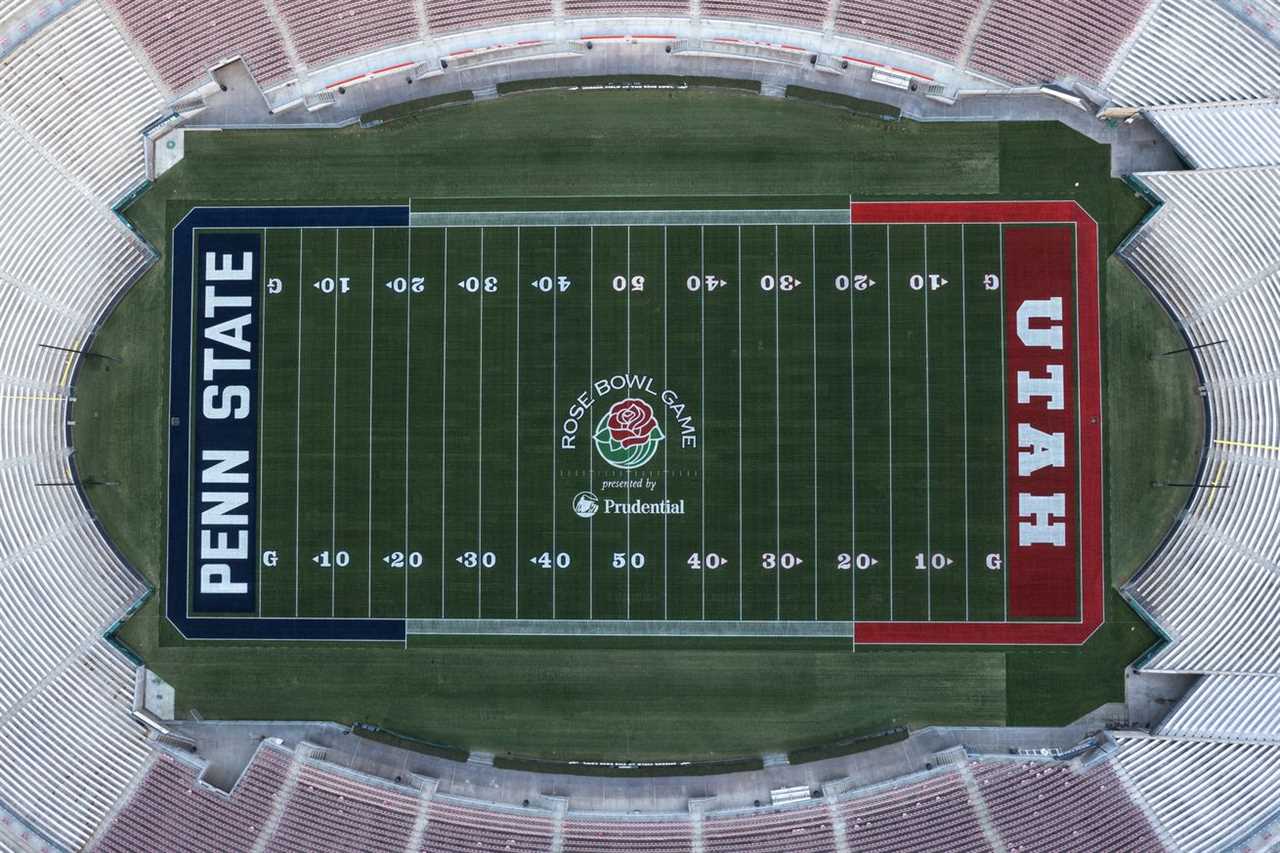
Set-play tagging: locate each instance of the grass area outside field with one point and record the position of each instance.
(630, 700)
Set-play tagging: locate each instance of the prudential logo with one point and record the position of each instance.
(586, 504)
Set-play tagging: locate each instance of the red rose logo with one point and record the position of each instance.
(631, 421)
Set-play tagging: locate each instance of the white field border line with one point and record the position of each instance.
(964, 370)
(888, 325)
(813, 379)
(1005, 531)
(928, 446)
(517, 558)
(444, 418)
(373, 289)
(1075, 282)
(480, 442)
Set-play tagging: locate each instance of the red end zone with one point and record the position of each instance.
(1053, 413)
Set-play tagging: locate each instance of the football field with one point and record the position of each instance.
(883, 427)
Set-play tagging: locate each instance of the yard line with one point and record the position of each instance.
(627, 568)
(373, 287)
(813, 278)
(853, 459)
(964, 361)
(741, 555)
(555, 371)
(591, 471)
(888, 293)
(516, 556)
(702, 413)
(928, 446)
(444, 415)
(1004, 438)
(777, 440)
(480, 445)
(333, 450)
(407, 361)
(666, 556)
(297, 445)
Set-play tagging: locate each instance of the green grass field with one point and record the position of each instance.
(416, 384)
(634, 698)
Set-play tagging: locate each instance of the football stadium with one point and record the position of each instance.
(588, 426)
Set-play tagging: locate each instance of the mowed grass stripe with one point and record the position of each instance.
(540, 421)
(834, 398)
(352, 418)
(610, 587)
(946, 426)
(985, 393)
(720, 429)
(316, 418)
(571, 589)
(872, 419)
(462, 436)
(760, 459)
(496, 586)
(910, 425)
(796, 562)
(686, 587)
(277, 424)
(387, 525)
(645, 358)
(420, 424)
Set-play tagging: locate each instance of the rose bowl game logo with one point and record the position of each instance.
(628, 435)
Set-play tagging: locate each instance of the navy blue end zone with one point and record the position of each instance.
(216, 270)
